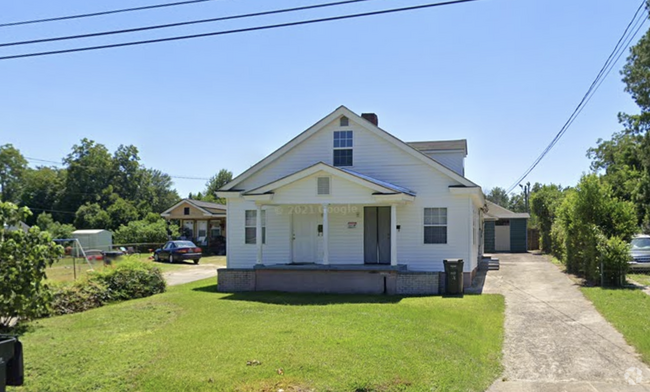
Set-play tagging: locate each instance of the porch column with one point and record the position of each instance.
(258, 233)
(326, 235)
(393, 234)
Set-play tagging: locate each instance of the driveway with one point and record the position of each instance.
(191, 274)
(555, 340)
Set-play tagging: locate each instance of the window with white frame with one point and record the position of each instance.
(343, 148)
(250, 227)
(323, 186)
(435, 225)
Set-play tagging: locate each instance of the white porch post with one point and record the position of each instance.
(393, 234)
(258, 233)
(326, 235)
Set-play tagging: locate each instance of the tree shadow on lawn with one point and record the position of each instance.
(300, 299)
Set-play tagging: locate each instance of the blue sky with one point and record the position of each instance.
(503, 74)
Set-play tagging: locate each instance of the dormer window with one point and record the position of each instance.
(343, 148)
(344, 122)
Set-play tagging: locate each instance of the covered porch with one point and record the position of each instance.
(327, 216)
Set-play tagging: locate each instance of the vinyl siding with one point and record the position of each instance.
(452, 159)
(375, 157)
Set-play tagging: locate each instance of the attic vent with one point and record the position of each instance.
(344, 121)
(323, 185)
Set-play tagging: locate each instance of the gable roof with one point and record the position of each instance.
(498, 212)
(343, 111)
(440, 145)
(204, 206)
(370, 182)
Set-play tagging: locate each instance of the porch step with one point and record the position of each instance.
(492, 264)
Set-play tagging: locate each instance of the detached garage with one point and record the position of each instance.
(505, 231)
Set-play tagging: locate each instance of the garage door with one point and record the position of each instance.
(502, 237)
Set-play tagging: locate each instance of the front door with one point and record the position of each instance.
(305, 229)
(376, 235)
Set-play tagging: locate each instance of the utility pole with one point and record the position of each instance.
(526, 189)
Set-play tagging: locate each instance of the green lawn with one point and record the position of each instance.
(62, 270)
(195, 339)
(644, 279)
(629, 311)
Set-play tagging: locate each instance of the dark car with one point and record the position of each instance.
(640, 252)
(177, 251)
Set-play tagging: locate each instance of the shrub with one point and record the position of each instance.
(614, 257)
(78, 297)
(24, 257)
(145, 231)
(130, 280)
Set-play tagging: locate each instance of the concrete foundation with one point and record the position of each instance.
(353, 279)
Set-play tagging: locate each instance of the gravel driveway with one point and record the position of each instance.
(191, 274)
(555, 340)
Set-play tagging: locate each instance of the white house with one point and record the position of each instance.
(347, 207)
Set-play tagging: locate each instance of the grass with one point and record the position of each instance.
(62, 270)
(195, 339)
(629, 311)
(643, 279)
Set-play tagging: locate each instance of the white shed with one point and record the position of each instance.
(94, 239)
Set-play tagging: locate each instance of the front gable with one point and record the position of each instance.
(375, 153)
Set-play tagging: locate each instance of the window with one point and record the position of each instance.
(251, 227)
(435, 225)
(323, 186)
(186, 211)
(344, 122)
(343, 148)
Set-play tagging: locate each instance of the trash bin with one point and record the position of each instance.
(454, 276)
(11, 362)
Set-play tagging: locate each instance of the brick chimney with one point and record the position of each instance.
(372, 117)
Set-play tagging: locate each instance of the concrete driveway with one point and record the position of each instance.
(555, 340)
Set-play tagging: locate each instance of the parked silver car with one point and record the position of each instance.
(640, 252)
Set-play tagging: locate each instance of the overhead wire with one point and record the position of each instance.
(236, 31)
(186, 23)
(102, 13)
(637, 22)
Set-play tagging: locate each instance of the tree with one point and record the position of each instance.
(121, 212)
(128, 172)
(152, 229)
(90, 171)
(12, 168)
(215, 183)
(590, 217)
(92, 216)
(625, 159)
(42, 189)
(498, 196)
(23, 260)
(58, 230)
(544, 202)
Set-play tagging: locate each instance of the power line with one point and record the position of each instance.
(242, 30)
(95, 167)
(101, 13)
(177, 24)
(612, 59)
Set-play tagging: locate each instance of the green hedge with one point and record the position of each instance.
(127, 280)
(130, 280)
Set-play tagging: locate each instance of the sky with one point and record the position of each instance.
(503, 74)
